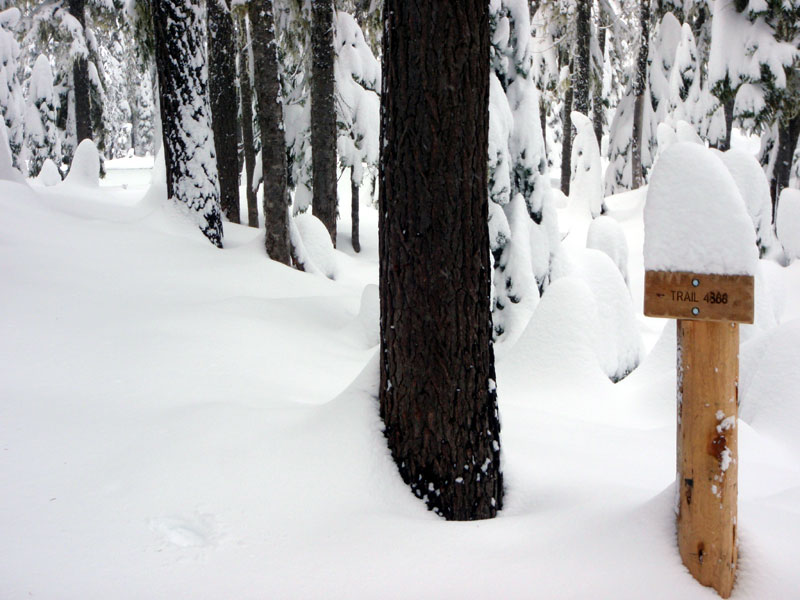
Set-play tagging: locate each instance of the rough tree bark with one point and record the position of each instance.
(270, 121)
(80, 80)
(323, 116)
(581, 76)
(246, 98)
(597, 103)
(566, 135)
(222, 96)
(788, 132)
(639, 85)
(438, 395)
(354, 232)
(185, 114)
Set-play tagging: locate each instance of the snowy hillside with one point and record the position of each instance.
(179, 421)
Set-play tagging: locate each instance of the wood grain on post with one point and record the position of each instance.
(708, 372)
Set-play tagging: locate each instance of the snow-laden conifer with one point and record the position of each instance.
(41, 133)
(12, 103)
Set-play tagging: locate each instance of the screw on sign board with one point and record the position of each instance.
(700, 257)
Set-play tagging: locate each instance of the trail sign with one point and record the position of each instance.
(699, 296)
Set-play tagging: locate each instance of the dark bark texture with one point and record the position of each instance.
(640, 81)
(222, 96)
(80, 80)
(323, 116)
(566, 136)
(598, 117)
(246, 97)
(354, 233)
(270, 121)
(581, 76)
(185, 114)
(788, 132)
(438, 396)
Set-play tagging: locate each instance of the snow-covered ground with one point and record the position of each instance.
(178, 421)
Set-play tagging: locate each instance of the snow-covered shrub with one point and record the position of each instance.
(606, 235)
(754, 187)
(586, 180)
(49, 175)
(788, 222)
(313, 245)
(618, 338)
(85, 168)
(7, 169)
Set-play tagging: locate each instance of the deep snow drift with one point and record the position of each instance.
(178, 421)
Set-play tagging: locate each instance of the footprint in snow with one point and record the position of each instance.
(198, 531)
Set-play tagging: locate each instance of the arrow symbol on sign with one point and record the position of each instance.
(660, 295)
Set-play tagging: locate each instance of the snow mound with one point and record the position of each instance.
(694, 216)
(754, 188)
(606, 234)
(788, 222)
(49, 175)
(685, 132)
(665, 135)
(769, 383)
(85, 168)
(619, 342)
(369, 314)
(561, 341)
(317, 247)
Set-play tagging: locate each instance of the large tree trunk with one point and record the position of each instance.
(438, 395)
(270, 121)
(222, 95)
(788, 132)
(566, 136)
(80, 80)
(598, 117)
(323, 115)
(581, 77)
(246, 97)
(185, 114)
(639, 89)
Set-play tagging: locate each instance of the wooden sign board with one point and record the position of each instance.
(699, 296)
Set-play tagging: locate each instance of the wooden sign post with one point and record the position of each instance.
(709, 309)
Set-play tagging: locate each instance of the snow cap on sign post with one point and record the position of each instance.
(695, 218)
(700, 252)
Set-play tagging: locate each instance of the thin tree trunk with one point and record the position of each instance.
(788, 133)
(354, 188)
(185, 114)
(323, 116)
(246, 98)
(270, 120)
(728, 108)
(581, 77)
(640, 84)
(543, 121)
(597, 105)
(438, 394)
(80, 80)
(566, 137)
(222, 95)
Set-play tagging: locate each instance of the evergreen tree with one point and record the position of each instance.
(40, 119)
(358, 108)
(12, 102)
(223, 100)
(270, 121)
(185, 115)
(244, 59)
(323, 115)
(438, 395)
